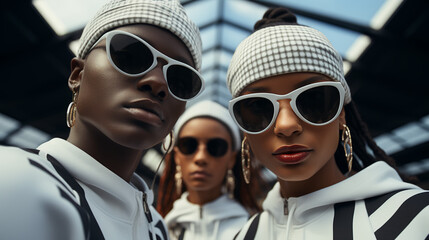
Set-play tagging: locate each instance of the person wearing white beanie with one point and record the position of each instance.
(136, 68)
(296, 112)
(202, 194)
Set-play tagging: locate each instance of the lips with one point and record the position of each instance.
(199, 175)
(292, 154)
(146, 110)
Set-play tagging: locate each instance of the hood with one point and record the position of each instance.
(376, 179)
(110, 189)
(219, 209)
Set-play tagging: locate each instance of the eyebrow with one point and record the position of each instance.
(313, 79)
(307, 81)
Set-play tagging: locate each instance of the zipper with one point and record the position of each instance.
(285, 207)
(201, 212)
(146, 208)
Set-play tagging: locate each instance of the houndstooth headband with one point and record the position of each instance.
(284, 49)
(167, 14)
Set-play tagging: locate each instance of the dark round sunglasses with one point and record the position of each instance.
(316, 104)
(132, 56)
(216, 147)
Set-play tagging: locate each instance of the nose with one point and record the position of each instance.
(200, 157)
(154, 82)
(287, 122)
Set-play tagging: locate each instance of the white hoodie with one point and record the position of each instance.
(346, 210)
(220, 219)
(36, 202)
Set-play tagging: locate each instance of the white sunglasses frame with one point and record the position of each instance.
(156, 54)
(274, 98)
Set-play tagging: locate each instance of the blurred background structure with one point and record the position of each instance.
(384, 43)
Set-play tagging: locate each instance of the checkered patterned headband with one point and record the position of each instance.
(284, 49)
(167, 14)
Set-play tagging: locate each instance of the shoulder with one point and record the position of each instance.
(27, 169)
(159, 224)
(402, 213)
(34, 197)
(252, 226)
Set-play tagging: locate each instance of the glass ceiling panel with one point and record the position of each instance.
(203, 12)
(243, 13)
(361, 12)
(209, 37)
(61, 15)
(232, 36)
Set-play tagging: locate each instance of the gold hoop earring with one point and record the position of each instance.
(71, 111)
(230, 184)
(346, 137)
(245, 160)
(171, 137)
(178, 178)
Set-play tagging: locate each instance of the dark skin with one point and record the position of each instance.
(208, 187)
(316, 171)
(106, 125)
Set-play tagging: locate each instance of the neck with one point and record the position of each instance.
(121, 160)
(203, 197)
(328, 175)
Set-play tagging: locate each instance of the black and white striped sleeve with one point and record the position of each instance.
(400, 215)
(35, 203)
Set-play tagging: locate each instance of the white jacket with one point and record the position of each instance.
(347, 210)
(220, 219)
(36, 202)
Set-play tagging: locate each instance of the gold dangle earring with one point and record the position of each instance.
(178, 178)
(71, 111)
(245, 160)
(346, 137)
(170, 144)
(230, 184)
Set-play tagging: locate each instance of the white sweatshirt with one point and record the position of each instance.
(220, 219)
(36, 203)
(347, 210)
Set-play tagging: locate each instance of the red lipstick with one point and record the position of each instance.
(292, 154)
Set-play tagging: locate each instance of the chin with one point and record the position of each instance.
(137, 141)
(294, 176)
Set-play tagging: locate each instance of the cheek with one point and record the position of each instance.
(260, 146)
(326, 139)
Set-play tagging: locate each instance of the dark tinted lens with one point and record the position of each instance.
(254, 114)
(187, 145)
(129, 54)
(217, 147)
(319, 104)
(183, 82)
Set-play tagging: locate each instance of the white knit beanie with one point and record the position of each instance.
(167, 14)
(282, 49)
(213, 110)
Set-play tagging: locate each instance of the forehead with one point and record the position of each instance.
(162, 40)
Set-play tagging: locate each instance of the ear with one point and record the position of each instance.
(77, 66)
(342, 118)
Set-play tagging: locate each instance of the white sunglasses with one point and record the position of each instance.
(316, 104)
(132, 56)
